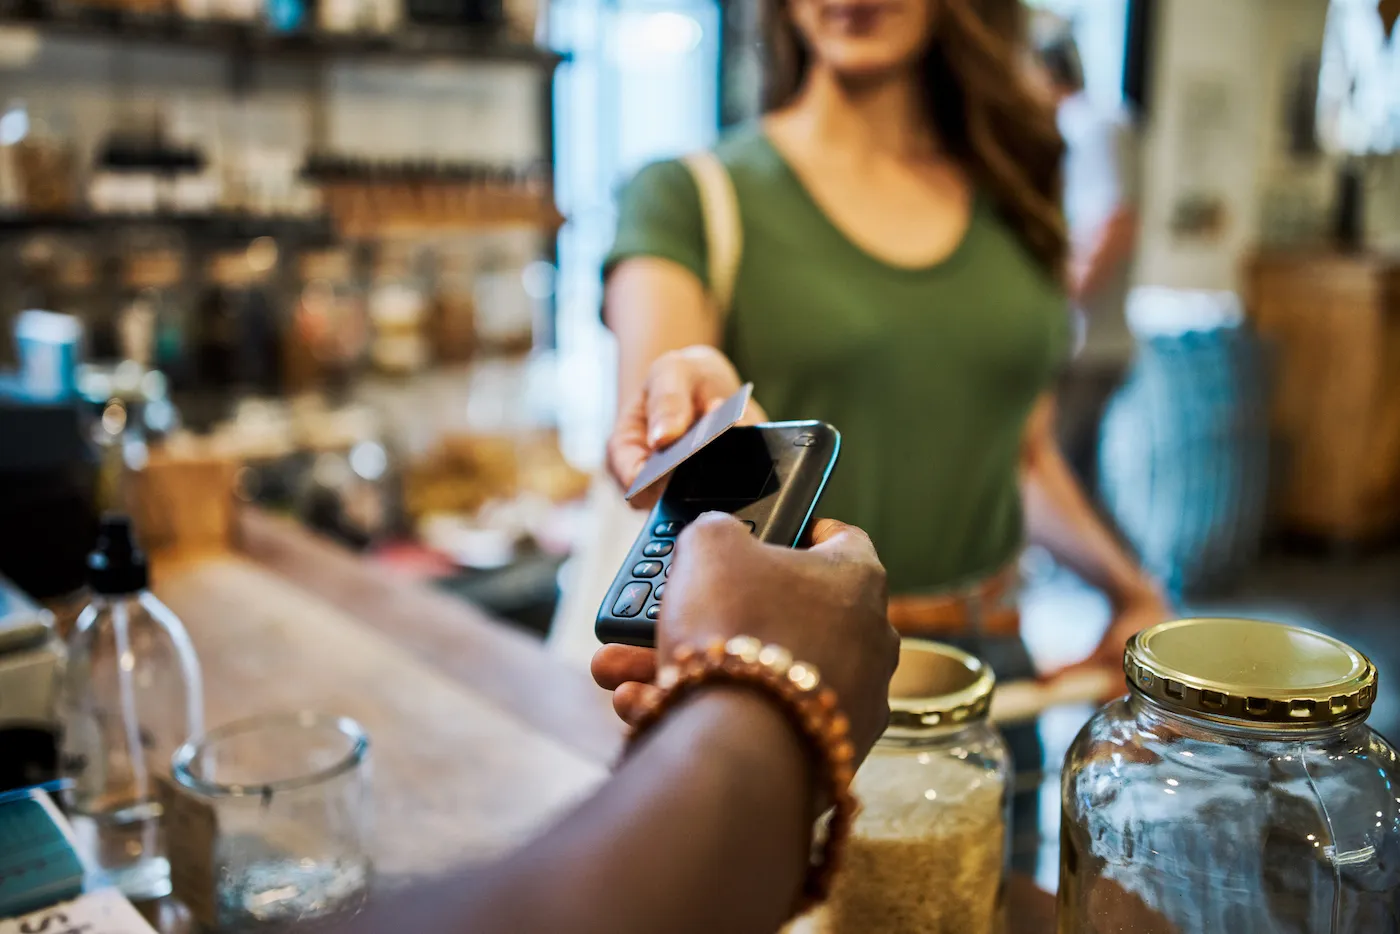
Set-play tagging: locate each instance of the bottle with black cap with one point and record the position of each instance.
(131, 695)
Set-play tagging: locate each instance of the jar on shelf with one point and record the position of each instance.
(398, 311)
(454, 319)
(329, 331)
(153, 325)
(506, 312)
(1236, 788)
(928, 852)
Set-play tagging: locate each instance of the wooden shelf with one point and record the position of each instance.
(413, 43)
(214, 225)
(361, 212)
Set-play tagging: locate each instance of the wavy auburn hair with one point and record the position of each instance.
(984, 113)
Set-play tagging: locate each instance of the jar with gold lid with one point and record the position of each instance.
(1236, 788)
(927, 854)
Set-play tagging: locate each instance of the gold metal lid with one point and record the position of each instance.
(936, 685)
(1251, 671)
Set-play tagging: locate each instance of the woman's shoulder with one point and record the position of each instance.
(743, 151)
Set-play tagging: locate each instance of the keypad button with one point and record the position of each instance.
(668, 571)
(646, 569)
(658, 549)
(747, 524)
(660, 589)
(631, 600)
(667, 529)
(654, 611)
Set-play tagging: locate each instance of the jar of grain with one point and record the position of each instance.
(928, 851)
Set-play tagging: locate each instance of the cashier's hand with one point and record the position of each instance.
(826, 604)
(682, 385)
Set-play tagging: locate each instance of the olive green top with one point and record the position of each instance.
(928, 373)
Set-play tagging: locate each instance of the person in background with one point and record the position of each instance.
(903, 277)
(707, 824)
(1100, 199)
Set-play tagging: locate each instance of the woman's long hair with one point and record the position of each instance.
(985, 114)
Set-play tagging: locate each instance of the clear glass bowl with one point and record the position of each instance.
(291, 794)
(1237, 788)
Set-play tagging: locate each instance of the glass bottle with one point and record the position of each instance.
(1236, 788)
(928, 852)
(131, 696)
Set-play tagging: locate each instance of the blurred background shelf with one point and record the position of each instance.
(215, 225)
(234, 38)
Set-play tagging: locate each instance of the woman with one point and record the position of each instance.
(902, 278)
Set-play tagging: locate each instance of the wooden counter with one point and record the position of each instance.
(478, 736)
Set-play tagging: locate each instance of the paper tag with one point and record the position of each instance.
(191, 829)
(100, 912)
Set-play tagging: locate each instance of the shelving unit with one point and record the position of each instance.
(240, 39)
(215, 225)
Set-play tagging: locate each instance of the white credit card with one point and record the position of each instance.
(714, 423)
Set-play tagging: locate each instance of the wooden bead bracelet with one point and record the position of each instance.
(810, 706)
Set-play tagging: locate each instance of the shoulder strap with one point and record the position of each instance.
(724, 235)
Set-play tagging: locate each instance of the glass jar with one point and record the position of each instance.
(929, 849)
(290, 796)
(1236, 788)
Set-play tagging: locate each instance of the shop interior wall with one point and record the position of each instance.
(1223, 76)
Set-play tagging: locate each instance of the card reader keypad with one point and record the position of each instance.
(632, 599)
(640, 597)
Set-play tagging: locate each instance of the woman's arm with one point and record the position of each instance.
(654, 305)
(1060, 518)
(669, 368)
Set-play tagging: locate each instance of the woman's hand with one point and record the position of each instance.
(681, 386)
(1141, 609)
(825, 604)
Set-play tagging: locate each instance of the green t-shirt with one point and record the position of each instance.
(928, 373)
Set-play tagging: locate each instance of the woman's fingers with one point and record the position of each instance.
(615, 665)
(670, 402)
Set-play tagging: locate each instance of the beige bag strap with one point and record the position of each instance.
(724, 234)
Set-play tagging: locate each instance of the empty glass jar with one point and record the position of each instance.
(290, 796)
(928, 851)
(1236, 788)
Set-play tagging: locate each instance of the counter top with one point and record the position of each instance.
(478, 736)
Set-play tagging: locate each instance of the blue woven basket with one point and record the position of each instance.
(1183, 456)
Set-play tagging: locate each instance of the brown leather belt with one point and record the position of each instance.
(986, 608)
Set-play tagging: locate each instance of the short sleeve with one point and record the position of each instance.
(659, 215)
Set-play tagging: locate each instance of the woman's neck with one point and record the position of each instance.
(884, 116)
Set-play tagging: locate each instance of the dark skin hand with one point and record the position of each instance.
(820, 574)
(707, 825)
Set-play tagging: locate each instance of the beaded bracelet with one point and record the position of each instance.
(812, 709)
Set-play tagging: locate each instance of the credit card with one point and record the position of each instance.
(715, 423)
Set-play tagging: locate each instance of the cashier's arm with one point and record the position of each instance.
(706, 826)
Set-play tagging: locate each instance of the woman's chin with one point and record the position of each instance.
(857, 61)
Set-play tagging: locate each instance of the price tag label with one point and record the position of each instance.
(100, 912)
(191, 828)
